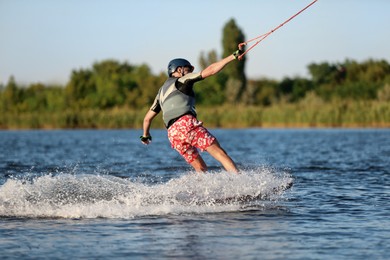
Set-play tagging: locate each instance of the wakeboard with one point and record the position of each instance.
(241, 199)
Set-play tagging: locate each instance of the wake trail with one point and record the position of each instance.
(93, 196)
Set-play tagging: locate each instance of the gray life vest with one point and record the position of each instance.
(173, 102)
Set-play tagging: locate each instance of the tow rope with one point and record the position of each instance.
(263, 36)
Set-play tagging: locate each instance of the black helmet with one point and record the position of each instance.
(176, 63)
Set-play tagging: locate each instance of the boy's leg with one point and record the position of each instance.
(199, 164)
(220, 155)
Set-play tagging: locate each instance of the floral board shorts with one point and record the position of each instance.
(187, 134)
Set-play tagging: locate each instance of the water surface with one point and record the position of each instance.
(100, 194)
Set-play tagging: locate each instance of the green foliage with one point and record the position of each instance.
(80, 91)
(383, 94)
(116, 95)
(324, 73)
(261, 92)
(10, 96)
(205, 61)
(236, 83)
(112, 94)
(350, 80)
(230, 84)
(211, 91)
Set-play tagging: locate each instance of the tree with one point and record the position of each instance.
(112, 82)
(236, 83)
(349, 80)
(142, 86)
(34, 98)
(80, 90)
(55, 98)
(323, 73)
(11, 95)
(260, 92)
(205, 61)
(213, 89)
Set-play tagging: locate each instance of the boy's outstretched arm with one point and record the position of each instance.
(216, 67)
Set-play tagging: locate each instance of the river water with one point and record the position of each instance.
(98, 194)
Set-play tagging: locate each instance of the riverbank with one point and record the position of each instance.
(370, 114)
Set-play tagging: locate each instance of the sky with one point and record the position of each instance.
(44, 40)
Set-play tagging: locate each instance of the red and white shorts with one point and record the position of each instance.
(187, 134)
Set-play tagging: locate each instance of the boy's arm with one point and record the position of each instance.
(216, 67)
(219, 65)
(146, 137)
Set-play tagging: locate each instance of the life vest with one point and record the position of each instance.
(173, 102)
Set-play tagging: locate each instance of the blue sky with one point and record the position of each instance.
(44, 40)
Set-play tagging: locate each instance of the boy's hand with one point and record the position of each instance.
(237, 53)
(146, 139)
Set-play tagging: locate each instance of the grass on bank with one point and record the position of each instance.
(310, 112)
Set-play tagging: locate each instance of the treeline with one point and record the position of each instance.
(112, 94)
(349, 80)
(106, 85)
